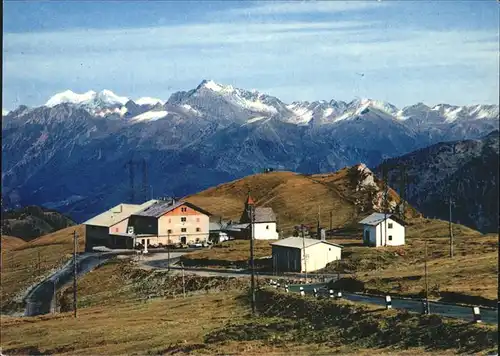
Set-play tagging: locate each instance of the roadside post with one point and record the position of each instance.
(388, 302)
(302, 293)
(477, 314)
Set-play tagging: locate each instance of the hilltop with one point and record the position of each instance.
(348, 194)
(202, 137)
(31, 222)
(11, 242)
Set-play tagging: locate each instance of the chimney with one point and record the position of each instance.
(323, 234)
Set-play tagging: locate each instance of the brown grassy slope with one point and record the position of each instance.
(11, 242)
(295, 199)
(220, 324)
(344, 182)
(235, 253)
(400, 269)
(21, 266)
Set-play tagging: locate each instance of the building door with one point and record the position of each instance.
(183, 240)
(367, 237)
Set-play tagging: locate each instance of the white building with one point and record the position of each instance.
(381, 229)
(111, 228)
(296, 254)
(264, 222)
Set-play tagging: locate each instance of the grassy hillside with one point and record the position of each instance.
(11, 242)
(220, 323)
(30, 262)
(400, 269)
(31, 222)
(296, 198)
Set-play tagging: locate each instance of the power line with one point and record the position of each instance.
(75, 238)
(251, 212)
(450, 202)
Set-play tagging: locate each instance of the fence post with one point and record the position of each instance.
(477, 314)
(302, 293)
(277, 286)
(339, 294)
(388, 302)
(331, 293)
(286, 288)
(315, 293)
(425, 307)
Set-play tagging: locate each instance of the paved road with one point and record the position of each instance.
(39, 300)
(489, 316)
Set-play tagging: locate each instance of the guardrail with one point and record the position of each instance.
(455, 311)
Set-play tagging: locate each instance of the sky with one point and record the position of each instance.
(403, 52)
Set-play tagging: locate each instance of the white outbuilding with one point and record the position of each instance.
(381, 229)
(296, 254)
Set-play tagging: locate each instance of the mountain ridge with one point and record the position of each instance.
(72, 157)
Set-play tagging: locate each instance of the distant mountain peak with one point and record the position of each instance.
(149, 101)
(215, 87)
(91, 98)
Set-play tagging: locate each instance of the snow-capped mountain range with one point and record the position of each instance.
(76, 145)
(253, 105)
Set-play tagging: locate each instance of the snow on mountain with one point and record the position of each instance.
(150, 116)
(303, 114)
(90, 98)
(148, 101)
(451, 113)
(121, 111)
(484, 111)
(190, 109)
(225, 102)
(70, 97)
(255, 119)
(5, 112)
(249, 100)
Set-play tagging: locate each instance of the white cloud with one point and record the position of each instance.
(298, 59)
(301, 7)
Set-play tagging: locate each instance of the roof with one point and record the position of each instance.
(117, 213)
(264, 215)
(235, 227)
(299, 242)
(162, 207)
(376, 218)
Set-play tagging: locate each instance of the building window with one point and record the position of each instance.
(390, 237)
(390, 225)
(183, 209)
(198, 229)
(197, 219)
(183, 219)
(116, 229)
(169, 221)
(183, 229)
(267, 227)
(169, 231)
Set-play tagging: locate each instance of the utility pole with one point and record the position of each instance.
(304, 248)
(427, 308)
(183, 281)
(331, 221)
(54, 296)
(75, 240)
(451, 228)
(252, 268)
(386, 191)
(168, 250)
(318, 227)
(38, 264)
